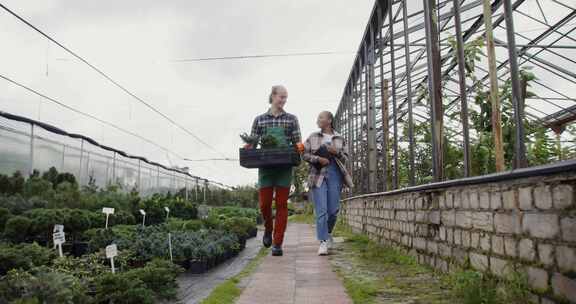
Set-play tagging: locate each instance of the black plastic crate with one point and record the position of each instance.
(268, 158)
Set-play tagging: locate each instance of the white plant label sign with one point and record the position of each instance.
(59, 238)
(107, 211)
(58, 228)
(143, 217)
(111, 252)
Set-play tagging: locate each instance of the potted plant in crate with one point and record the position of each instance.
(266, 152)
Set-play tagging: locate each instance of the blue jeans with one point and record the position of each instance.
(327, 201)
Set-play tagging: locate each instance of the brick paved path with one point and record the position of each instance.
(299, 277)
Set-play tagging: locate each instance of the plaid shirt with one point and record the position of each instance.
(317, 176)
(285, 120)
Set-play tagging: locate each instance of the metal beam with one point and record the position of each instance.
(434, 88)
(517, 96)
(462, 83)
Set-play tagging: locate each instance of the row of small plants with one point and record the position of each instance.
(31, 270)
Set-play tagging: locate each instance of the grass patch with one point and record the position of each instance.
(373, 273)
(302, 218)
(228, 291)
(472, 287)
(305, 217)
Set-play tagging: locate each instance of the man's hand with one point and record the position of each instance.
(332, 150)
(300, 148)
(323, 161)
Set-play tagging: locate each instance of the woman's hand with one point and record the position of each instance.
(323, 161)
(332, 150)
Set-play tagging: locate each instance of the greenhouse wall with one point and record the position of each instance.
(26, 146)
(517, 221)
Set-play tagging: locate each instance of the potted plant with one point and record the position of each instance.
(269, 153)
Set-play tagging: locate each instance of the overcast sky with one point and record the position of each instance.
(140, 43)
(136, 43)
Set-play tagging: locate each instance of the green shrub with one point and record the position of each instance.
(86, 268)
(15, 203)
(11, 185)
(24, 256)
(159, 276)
(35, 186)
(154, 207)
(66, 195)
(182, 209)
(230, 212)
(76, 221)
(5, 214)
(99, 238)
(42, 285)
(213, 221)
(176, 224)
(17, 228)
(122, 288)
(121, 218)
(241, 226)
(192, 225)
(43, 221)
(56, 178)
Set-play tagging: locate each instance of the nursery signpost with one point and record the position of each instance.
(143, 217)
(170, 245)
(111, 252)
(59, 238)
(107, 211)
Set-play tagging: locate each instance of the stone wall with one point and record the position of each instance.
(500, 225)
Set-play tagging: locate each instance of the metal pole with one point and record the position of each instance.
(31, 152)
(114, 169)
(186, 187)
(412, 142)
(386, 133)
(462, 79)
(81, 159)
(62, 169)
(139, 186)
(395, 177)
(494, 100)
(205, 190)
(364, 123)
(434, 88)
(158, 178)
(371, 117)
(196, 190)
(519, 147)
(87, 180)
(356, 172)
(349, 102)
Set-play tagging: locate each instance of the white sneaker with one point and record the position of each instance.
(323, 250)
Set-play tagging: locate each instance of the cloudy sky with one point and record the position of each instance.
(138, 43)
(144, 45)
